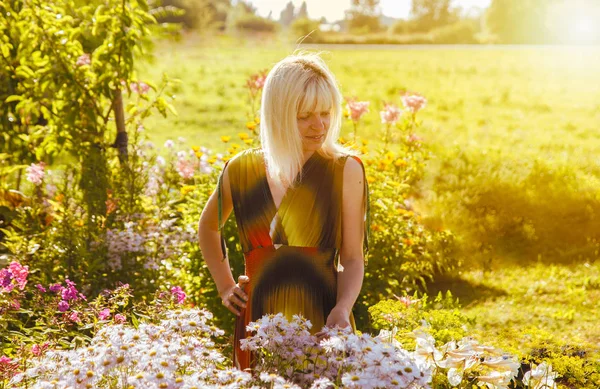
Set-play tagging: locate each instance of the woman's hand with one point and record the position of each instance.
(339, 316)
(234, 298)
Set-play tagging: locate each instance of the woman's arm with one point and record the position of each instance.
(210, 245)
(351, 253)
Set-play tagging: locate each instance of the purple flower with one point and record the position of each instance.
(104, 314)
(63, 306)
(119, 319)
(70, 292)
(179, 294)
(6, 279)
(55, 288)
(35, 173)
(40, 288)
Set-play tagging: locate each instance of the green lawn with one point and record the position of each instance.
(515, 173)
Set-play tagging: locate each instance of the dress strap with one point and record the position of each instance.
(220, 211)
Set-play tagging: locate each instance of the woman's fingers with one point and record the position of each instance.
(237, 301)
(240, 293)
(231, 307)
(236, 298)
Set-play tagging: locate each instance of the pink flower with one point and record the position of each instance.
(104, 314)
(185, 169)
(357, 109)
(35, 173)
(179, 294)
(414, 103)
(414, 138)
(390, 114)
(16, 272)
(140, 87)
(63, 306)
(8, 367)
(19, 273)
(74, 317)
(256, 82)
(407, 301)
(169, 144)
(70, 292)
(40, 288)
(36, 350)
(83, 59)
(119, 319)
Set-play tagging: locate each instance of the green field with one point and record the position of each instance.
(515, 172)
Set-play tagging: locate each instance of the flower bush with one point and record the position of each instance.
(177, 348)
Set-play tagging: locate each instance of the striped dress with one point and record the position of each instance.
(290, 252)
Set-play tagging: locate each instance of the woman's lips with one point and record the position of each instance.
(317, 137)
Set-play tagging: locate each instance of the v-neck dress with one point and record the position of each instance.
(291, 253)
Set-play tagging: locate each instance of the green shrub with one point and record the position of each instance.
(255, 23)
(301, 28)
(459, 32)
(505, 207)
(439, 317)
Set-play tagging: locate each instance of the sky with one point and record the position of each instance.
(334, 9)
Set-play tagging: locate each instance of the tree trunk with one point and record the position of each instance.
(121, 140)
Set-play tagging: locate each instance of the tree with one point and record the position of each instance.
(287, 15)
(199, 15)
(363, 16)
(303, 11)
(429, 14)
(519, 21)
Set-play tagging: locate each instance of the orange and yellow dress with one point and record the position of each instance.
(290, 253)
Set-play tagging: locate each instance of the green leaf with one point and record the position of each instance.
(6, 49)
(13, 98)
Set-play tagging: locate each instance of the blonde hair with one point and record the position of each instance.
(301, 82)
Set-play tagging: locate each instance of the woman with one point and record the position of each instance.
(300, 204)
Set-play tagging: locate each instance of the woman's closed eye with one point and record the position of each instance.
(305, 116)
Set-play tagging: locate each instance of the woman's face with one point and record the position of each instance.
(313, 127)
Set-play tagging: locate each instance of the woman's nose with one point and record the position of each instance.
(318, 122)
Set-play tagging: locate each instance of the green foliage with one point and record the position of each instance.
(255, 23)
(363, 17)
(440, 317)
(199, 15)
(512, 207)
(460, 32)
(305, 27)
(430, 14)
